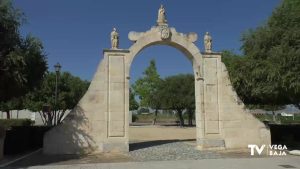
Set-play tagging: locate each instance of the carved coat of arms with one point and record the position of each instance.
(165, 33)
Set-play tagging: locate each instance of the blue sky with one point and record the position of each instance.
(74, 33)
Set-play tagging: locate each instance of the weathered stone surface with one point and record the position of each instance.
(100, 121)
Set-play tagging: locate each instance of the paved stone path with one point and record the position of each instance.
(252, 163)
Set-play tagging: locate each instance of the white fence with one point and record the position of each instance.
(25, 114)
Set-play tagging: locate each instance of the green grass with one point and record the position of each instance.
(160, 117)
(172, 118)
(279, 119)
(165, 117)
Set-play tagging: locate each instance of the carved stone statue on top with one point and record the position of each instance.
(207, 43)
(114, 37)
(161, 19)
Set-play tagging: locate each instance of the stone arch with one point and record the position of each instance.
(182, 42)
(99, 122)
(179, 41)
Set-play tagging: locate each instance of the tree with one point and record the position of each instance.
(133, 104)
(251, 82)
(12, 104)
(22, 60)
(42, 100)
(147, 89)
(178, 94)
(268, 75)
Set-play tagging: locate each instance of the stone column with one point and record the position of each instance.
(117, 101)
(210, 89)
(198, 73)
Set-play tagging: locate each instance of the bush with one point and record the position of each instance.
(24, 138)
(134, 118)
(7, 123)
(2, 132)
(143, 110)
(279, 119)
(285, 134)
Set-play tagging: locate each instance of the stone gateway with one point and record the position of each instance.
(99, 122)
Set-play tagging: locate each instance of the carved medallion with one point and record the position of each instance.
(165, 33)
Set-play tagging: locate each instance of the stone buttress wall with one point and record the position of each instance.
(225, 114)
(93, 126)
(76, 134)
(240, 128)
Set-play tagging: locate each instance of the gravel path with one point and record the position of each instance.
(168, 150)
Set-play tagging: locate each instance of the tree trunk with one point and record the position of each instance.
(54, 118)
(297, 105)
(274, 116)
(180, 118)
(155, 116)
(50, 119)
(7, 115)
(190, 117)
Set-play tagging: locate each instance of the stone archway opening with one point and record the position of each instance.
(166, 131)
(100, 123)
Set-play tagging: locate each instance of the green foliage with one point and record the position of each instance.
(147, 87)
(135, 118)
(173, 93)
(268, 75)
(12, 104)
(178, 93)
(70, 91)
(6, 123)
(10, 21)
(252, 82)
(143, 110)
(133, 104)
(22, 60)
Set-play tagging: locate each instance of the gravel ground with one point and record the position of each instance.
(164, 150)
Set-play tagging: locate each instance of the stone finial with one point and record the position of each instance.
(114, 37)
(161, 19)
(207, 43)
(192, 36)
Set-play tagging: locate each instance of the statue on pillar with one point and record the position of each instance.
(114, 37)
(207, 43)
(161, 19)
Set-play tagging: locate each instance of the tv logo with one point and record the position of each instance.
(253, 147)
(272, 150)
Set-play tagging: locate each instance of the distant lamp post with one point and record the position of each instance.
(57, 70)
(57, 67)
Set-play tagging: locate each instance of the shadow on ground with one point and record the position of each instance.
(145, 144)
(149, 149)
(39, 158)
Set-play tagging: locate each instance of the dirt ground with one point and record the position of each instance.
(147, 133)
